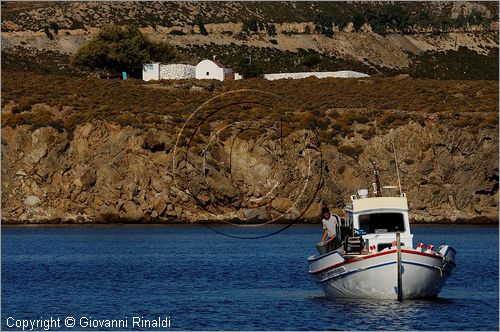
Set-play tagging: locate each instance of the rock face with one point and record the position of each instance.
(107, 173)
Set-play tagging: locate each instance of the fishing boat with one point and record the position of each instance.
(377, 258)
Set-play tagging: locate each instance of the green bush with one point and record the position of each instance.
(341, 21)
(388, 16)
(312, 60)
(248, 66)
(122, 48)
(48, 33)
(177, 33)
(271, 30)
(201, 25)
(252, 25)
(323, 24)
(55, 27)
(357, 21)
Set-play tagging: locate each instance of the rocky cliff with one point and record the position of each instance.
(109, 173)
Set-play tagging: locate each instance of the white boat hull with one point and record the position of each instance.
(375, 275)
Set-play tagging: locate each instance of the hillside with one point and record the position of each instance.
(77, 149)
(399, 38)
(89, 150)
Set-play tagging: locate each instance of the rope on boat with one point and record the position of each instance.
(440, 270)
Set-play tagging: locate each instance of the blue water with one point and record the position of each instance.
(204, 281)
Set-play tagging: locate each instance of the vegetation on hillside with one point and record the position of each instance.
(462, 63)
(454, 64)
(383, 16)
(383, 19)
(122, 48)
(336, 108)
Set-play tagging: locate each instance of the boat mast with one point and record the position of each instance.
(378, 187)
(397, 169)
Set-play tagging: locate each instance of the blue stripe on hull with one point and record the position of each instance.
(361, 269)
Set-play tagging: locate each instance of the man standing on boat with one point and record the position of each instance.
(330, 225)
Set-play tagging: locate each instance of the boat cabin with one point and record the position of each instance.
(377, 220)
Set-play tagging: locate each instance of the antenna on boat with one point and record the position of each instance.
(377, 186)
(397, 169)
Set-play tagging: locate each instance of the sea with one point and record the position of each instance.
(213, 277)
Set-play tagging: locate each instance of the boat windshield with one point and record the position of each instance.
(382, 222)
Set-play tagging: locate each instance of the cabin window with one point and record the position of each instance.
(380, 223)
(382, 246)
(150, 67)
(208, 73)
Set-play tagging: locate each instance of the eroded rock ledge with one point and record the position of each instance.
(106, 173)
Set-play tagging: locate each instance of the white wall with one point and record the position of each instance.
(340, 74)
(151, 71)
(211, 68)
(177, 71)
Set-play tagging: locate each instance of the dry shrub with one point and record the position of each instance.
(307, 120)
(490, 121)
(125, 120)
(461, 123)
(249, 134)
(135, 103)
(351, 150)
(341, 127)
(225, 134)
(368, 133)
(390, 119)
(351, 117)
(23, 106)
(327, 136)
(153, 119)
(288, 127)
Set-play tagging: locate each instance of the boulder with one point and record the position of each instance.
(32, 201)
(131, 211)
(89, 178)
(108, 214)
(152, 142)
(256, 214)
(203, 198)
(312, 213)
(130, 190)
(157, 184)
(36, 154)
(159, 205)
(282, 204)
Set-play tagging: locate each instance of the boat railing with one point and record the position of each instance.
(385, 194)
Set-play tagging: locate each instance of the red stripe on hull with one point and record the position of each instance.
(357, 259)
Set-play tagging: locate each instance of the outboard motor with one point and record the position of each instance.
(447, 252)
